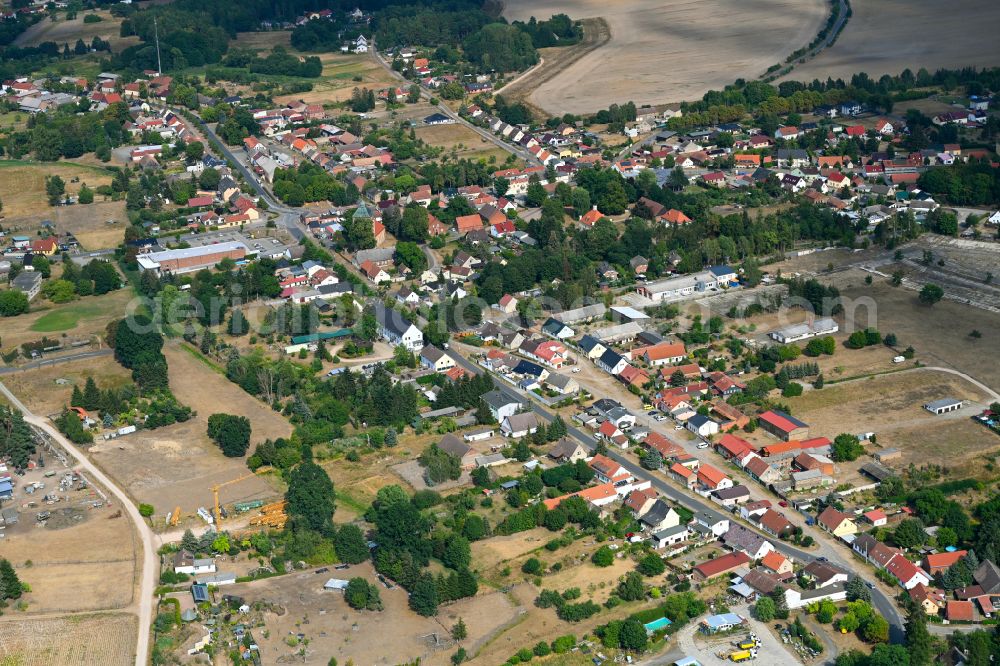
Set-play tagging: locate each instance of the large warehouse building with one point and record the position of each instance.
(191, 259)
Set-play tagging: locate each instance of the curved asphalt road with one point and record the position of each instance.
(149, 563)
(881, 601)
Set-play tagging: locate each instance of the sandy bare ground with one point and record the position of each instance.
(671, 51)
(887, 36)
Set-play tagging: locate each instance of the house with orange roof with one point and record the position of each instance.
(466, 223)
(591, 217)
(960, 611)
(731, 446)
(373, 272)
(435, 227)
(665, 353)
(608, 431)
(725, 564)
(633, 376)
(683, 475)
(44, 246)
(930, 599)
(746, 160)
(599, 495)
(782, 425)
(876, 517)
(676, 217)
(935, 563)
(836, 522)
(711, 478)
(658, 442)
(777, 563)
(640, 501)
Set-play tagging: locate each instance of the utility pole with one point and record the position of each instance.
(156, 35)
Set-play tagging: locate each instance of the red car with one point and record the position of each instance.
(783, 503)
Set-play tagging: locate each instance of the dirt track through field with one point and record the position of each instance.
(596, 34)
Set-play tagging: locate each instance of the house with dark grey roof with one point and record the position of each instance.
(396, 329)
(730, 497)
(519, 425)
(456, 446)
(592, 347)
(660, 516)
(557, 329)
(501, 404)
(745, 540)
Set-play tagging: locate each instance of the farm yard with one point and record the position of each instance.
(106, 639)
(670, 51)
(880, 38)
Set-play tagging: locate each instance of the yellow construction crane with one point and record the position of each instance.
(215, 489)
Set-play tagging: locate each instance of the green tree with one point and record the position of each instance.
(231, 433)
(457, 553)
(10, 584)
(459, 631)
(13, 303)
(930, 294)
(846, 448)
(532, 566)
(55, 188)
(919, 642)
(362, 595)
(238, 324)
(350, 544)
(631, 588)
(764, 609)
(424, 597)
(86, 195)
(909, 533)
(652, 565)
(632, 635)
(875, 630)
(603, 557)
(310, 498)
(857, 590)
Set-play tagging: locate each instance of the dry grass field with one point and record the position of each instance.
(38, 390)
(22, 186)
(106, 639)
(94, 557)
(77, 319)
(335, 630)
(63, 31)
(338, 79)
(178, 464)
(888, 36)
(263, 41)
(461, 142)
(671, 51)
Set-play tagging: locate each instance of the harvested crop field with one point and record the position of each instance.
(83, 640)
(670, 51)
(888, 36)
